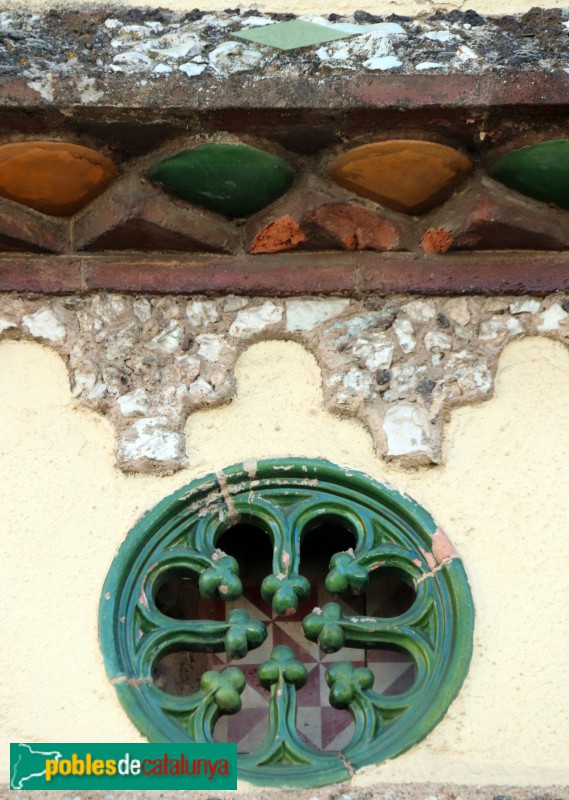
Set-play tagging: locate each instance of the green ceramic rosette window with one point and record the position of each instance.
(285, 499)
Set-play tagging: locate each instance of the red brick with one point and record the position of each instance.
(467, 273)
(347, 92)
(487, 216)
(281, 224)
(278, 274)
(144, 236)
(356, 273)
(355, 227)
(283, 233)
(436, 240)
(134, 215)
(27, 230)
(47, 275)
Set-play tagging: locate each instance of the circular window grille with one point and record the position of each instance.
(176, 545)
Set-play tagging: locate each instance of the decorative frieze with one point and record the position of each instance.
(398, 364)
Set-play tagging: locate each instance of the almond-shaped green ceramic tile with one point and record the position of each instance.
(540, 171)
(233, 179)
(292, 35)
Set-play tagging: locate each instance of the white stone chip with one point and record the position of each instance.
(471, 376)
(6, 324)
(429, 65)
(134, 404)
(404, 331)
(323, 54)
(420, 310)
(201, 313)
(140, 31)
(304, 315)
(250, 321)
(382, 63)
(88, 93)
(376, 42)
(233, 57)
(151, 438)
(210, 345)
(457, 311)
(440, 36)
(256, 21)
(189, 366)
(201, 391)
(213, 19)
(234, 303)
(437, 342)
(87, 384)
(376, 350)
(379, 28)
(466, 53)
(406, 427)
(526, 305)
(109, 307)
(168, 340)
(133, 58)
(177, 45)
(386, 29)
(551, 318)
(498, 327)
(358, 381)
(404, 379)
(190, 69)
(45, 325)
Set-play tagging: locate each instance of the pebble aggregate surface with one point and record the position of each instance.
(154, 43)
(398, 365)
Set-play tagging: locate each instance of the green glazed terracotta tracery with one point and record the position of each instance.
(286, 498)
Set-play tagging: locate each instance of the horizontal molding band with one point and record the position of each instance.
(338, 92)
(354, 274)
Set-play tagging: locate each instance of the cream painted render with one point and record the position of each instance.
(501, 496)
(347, 7)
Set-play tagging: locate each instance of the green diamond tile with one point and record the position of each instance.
(291, 35)
(233, 179)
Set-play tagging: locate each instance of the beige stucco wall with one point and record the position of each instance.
(411, 7)
(501, 495)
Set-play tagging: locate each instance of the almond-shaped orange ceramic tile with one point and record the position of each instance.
(55, 178)
(405, 175)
